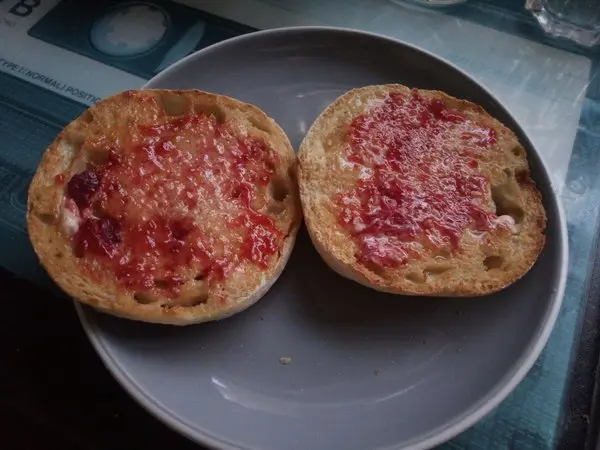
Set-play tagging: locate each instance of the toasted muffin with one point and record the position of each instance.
(164, 206)
(416, 192)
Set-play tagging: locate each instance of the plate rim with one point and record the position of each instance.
(437, 436)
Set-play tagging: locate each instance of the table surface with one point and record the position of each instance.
(61, 56)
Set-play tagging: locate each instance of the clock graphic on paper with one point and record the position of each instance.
(140, 37)
(129, 30)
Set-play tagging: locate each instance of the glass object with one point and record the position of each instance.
(577, 20)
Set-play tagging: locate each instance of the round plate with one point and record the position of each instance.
(321, 362)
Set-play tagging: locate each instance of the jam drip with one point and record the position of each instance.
(424, 189)
(152, 212)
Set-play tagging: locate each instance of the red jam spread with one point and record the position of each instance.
(83, 186)
(422, 187)
(175, 199)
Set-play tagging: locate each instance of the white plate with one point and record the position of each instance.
(367, 370)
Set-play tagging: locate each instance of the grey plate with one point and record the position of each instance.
(367, 370)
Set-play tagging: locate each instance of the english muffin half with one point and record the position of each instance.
(164, 206)
(416, 192)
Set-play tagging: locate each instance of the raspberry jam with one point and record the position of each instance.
(175, 202)
(98, 236)
(83, 186)
(423, 189)
(59, 179)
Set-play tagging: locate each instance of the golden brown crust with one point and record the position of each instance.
(481, 266)
(76, 144)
